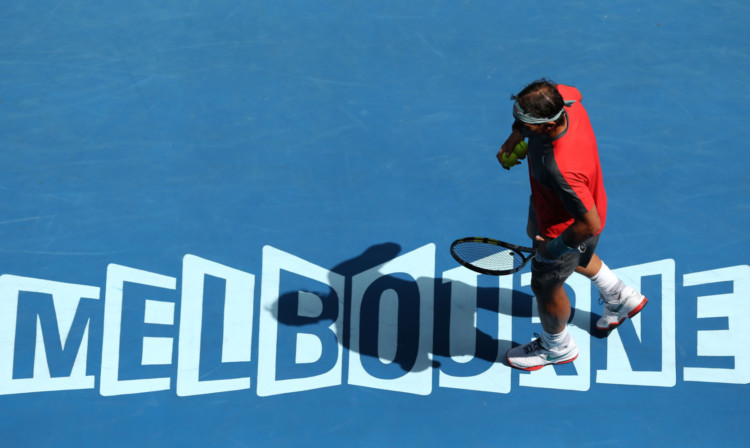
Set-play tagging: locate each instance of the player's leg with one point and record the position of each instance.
(554, 346)
(620, 301)
(553, 305)
(592, 268)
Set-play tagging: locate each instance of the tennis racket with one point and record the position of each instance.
(491, 257)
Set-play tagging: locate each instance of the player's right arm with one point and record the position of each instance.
(515, 138)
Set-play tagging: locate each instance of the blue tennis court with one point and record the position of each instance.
(227, 223)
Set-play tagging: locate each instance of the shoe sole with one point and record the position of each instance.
(535, 368)
(630, 315)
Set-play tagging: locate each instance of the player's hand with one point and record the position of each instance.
(541, 249)
(507, 148)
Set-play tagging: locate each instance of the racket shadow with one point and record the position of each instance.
(399, 350)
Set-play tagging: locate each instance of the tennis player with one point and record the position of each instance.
(566, 216)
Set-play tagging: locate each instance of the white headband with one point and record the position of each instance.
(521, 114)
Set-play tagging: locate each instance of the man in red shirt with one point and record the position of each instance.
(567, 213)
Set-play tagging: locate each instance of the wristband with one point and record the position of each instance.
(558, 248)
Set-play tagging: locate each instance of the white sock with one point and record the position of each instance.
(608, 284)
(555, 341)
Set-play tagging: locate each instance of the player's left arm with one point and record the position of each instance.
(573, 189)
(584, 227)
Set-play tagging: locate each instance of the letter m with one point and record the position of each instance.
(43, 335)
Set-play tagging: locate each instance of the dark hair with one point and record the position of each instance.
(541, 99)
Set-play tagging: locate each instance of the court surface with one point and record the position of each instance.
(227, 223)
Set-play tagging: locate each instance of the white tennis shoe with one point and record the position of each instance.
(534, 355)
(630, 303)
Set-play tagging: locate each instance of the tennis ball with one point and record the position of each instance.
(521, 149)
(509, 160)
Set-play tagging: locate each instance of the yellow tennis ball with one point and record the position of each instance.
(521, 149)
(509, 160)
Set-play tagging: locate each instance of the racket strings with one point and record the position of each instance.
(488, 256)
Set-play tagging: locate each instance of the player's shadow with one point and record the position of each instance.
(402, 323)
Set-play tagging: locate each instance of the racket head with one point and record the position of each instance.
(490, 256)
